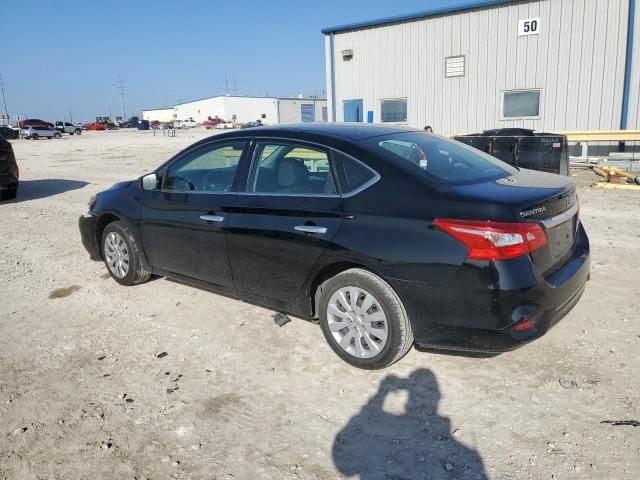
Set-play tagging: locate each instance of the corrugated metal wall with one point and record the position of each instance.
(577, 61)
(289, 109)
(634, 92)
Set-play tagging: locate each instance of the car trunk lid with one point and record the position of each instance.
(540, 197)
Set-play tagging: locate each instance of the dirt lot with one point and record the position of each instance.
(86, 393)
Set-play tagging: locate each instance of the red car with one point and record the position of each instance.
(94, 126)
(34, 122)
(209, 124)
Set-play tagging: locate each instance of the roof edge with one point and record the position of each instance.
(416, 15)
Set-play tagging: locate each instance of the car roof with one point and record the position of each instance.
(348, 131)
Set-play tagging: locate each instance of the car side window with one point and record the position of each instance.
(210, 168)
(352, 174)
(285, 168)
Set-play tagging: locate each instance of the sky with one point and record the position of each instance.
(67, 56)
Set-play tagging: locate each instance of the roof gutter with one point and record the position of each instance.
(417, 15)
(624, 117)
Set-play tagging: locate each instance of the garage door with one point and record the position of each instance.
(308, 112)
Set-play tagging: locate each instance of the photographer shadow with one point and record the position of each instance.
(418, 444)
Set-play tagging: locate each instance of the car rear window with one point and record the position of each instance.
(440, 158)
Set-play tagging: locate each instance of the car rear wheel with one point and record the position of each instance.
(121, 255)
(34, 136)
(363, 320)
(78, 132)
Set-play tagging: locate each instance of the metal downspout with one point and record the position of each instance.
(628, 66)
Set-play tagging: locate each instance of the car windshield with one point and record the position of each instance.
(440, 158)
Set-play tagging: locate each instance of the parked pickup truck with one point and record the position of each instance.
(70, 128)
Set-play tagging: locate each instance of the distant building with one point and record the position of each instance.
(159, 114)
(241, 109)
(548, 65)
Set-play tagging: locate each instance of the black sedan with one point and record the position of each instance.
(9, 172)
(388, 235)
(9, 133)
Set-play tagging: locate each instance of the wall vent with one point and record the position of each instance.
(454, 66)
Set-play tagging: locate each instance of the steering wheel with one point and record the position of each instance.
(210, 186)
(190, 186)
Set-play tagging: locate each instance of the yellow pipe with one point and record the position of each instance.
(602, 136)
(616, 186)
(621, 173)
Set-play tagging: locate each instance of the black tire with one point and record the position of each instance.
(78, 132)
(35, 136)
(9, 194)
(56, 135)
(399, 332)
(136, 273)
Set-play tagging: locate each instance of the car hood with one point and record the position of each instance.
(119, 185)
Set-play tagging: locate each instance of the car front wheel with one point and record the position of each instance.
(363, 319)
(34, 136)
(56, 135)
(121, 255)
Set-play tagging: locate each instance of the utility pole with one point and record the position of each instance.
(226, 85)
(4, 99)
(121, 88)
(70, 116)
(235, 89)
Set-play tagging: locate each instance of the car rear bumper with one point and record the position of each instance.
(8, 182)
(87, 224)
(516, 307)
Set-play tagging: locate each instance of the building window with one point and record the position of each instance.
(264, 115)
(393, 110)
(521, 104)
(454, 66)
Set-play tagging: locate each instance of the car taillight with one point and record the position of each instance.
(488, 240)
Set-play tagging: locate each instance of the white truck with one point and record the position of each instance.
(70, 128)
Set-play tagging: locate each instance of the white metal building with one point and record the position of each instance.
(549, 65)
(241, 109)
(296, 110)
(159, 114)
(230, 108)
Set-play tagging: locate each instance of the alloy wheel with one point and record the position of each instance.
(116, 254)
(357, 322)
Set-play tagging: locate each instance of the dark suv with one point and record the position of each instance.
(9, 171)
(387, 235)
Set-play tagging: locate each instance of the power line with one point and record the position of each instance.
(121, 88)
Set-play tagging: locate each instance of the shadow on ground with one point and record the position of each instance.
(35, 189)
(376, 444)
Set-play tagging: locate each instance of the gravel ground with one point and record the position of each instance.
(166, 381)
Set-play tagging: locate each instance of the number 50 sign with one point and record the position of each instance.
(529, 26)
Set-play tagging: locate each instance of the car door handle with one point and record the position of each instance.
(311, 229)
(212, 218)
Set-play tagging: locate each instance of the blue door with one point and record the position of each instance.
(353, 110)
(308, 112)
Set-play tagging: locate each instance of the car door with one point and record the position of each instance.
(184, 222)
(287, 215)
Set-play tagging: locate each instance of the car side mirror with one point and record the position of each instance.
(150, 182)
